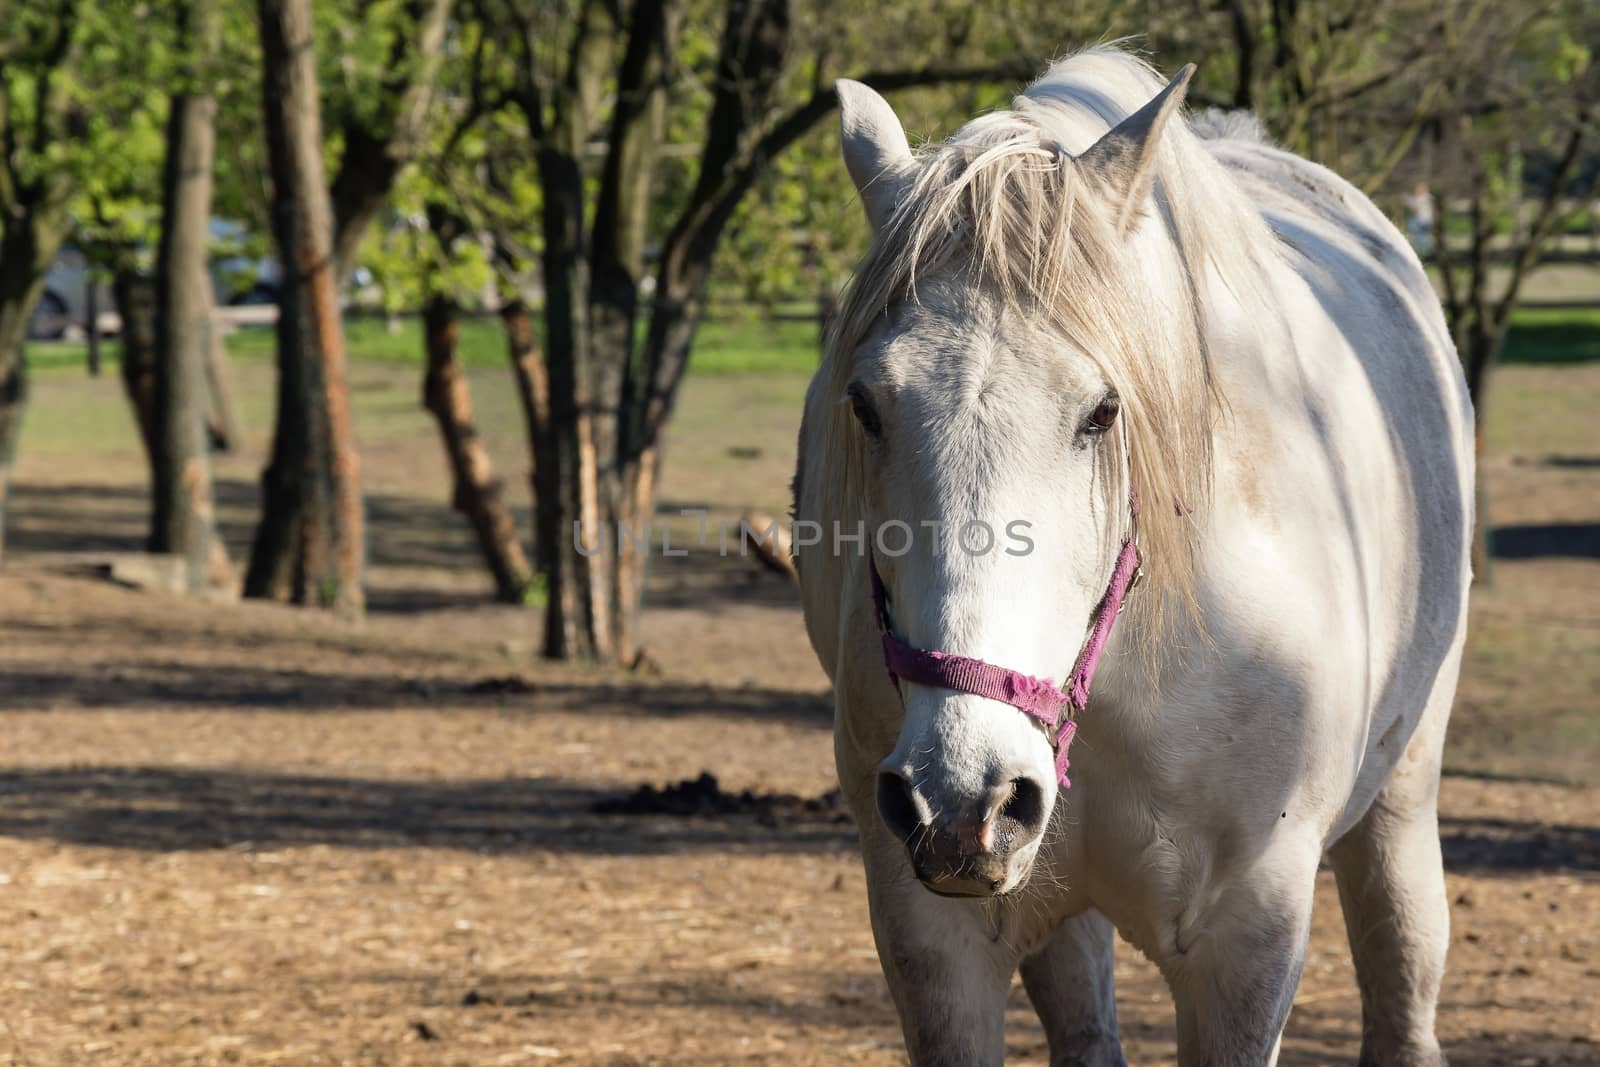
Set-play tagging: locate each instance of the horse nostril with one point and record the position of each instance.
(1022, 815)
(896, 805)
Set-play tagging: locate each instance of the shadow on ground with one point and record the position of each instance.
(1509, 846)
(170, 809)
(407, 531)
(1579, 540)
(407, 534)
(166, 685)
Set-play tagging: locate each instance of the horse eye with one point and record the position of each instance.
(865, 414)
(1104, 414)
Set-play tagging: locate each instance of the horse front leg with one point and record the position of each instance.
(1234, 969)
(948, 970)
(1072, 984)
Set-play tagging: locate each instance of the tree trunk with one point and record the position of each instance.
(533, 386)
(1482, 530)
(135, 300)
(310, 544)
(570, 536)
(638, 123)
(476, 492)
(287, 563)
(533, 392)
(1481, 354)
(27, 245)
(225, 426)
(91, 324)
(1479, 350)
(184, 519)
(16, 307)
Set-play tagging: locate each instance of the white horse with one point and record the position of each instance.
(1078, 304)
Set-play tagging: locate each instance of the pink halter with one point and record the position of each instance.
(1053, 707)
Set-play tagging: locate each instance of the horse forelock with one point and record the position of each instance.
(1002, 206)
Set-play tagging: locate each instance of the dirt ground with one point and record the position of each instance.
(243, 833)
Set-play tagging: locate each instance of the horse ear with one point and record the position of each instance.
(1123, 161)
(875, 149)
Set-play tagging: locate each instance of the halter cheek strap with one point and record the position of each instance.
(1055, 708)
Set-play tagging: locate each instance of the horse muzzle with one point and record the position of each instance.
(965, 846)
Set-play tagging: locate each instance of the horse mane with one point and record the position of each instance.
(1002, 201)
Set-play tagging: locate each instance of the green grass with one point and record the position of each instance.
(73, 355)
(1553, 335)
(1578, 224)
(482, 342)
(736, 347)
(756, 346)
(740, 346)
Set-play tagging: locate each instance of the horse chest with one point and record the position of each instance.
(1156, 861)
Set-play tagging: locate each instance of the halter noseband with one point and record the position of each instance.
(1055, 708)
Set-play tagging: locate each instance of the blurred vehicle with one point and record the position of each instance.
(242, 275)
(64, 304)
(237, 277)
